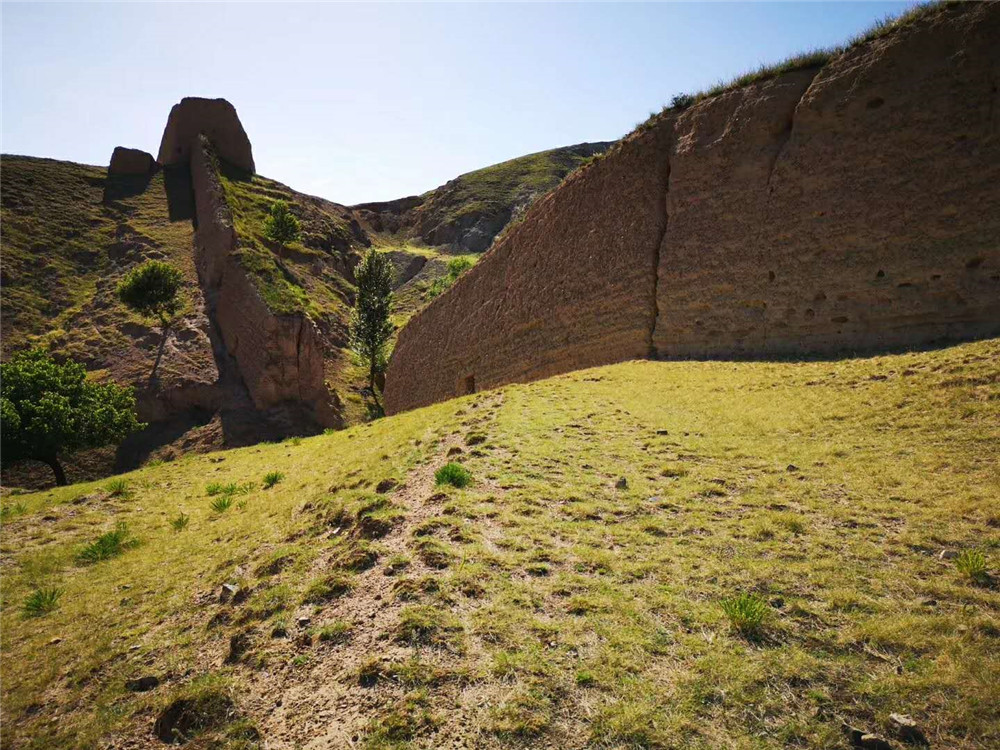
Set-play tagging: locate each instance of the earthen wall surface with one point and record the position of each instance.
(849, 207)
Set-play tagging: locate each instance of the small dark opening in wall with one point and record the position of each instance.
(470, 384)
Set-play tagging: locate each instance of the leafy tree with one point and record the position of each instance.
(152, 290)
(281, 226)
(371, 327)
(50, 409)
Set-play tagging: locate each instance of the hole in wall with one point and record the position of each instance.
(875, 103)
(820, 297)
(810, 313)
(935, 277)
(470, 384)
(904, 285)
(839, 319)
(974, 263)
(770, 275)
(880, 274)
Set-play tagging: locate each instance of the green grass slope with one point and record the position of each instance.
(68, 232)
(570, 595)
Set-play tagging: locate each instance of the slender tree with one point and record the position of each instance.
(371, 326)
(49, 409)
(153, 290)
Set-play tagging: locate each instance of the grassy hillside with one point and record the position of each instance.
(507, 185)
(466, 213)
(69, 231)
(571, 595)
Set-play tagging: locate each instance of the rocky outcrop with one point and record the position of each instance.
(131, 161)
(279, 357)
(850, 207)
(214, 118)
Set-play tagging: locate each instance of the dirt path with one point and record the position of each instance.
(323, 702)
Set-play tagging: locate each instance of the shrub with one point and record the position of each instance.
(681, 101)
(972, 563)
(745, 612)
(454, 474)
(272, 478)
(108, 545)
(180, 523)
(41, 601)
(456, 267)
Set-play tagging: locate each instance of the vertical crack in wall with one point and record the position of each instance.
(651, 352)
(786, 134)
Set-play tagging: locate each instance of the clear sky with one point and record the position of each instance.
(372, 102)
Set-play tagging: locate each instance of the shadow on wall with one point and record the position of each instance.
(180, 195)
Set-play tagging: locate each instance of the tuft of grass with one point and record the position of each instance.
(972, 563)
(398, 726)
(215, 489)
(118, 488)
(425, 625)
(180, 522)
(272, 478)
(746, 612)
(336, 632)
(324, 589)
(222, 503)
(454, 474)
(108, 545)
(15, 509)
(41, 601)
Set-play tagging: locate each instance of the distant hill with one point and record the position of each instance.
(468, 212)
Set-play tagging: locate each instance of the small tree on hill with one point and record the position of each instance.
(48, 409)
(371, 327)
(153, 290)
(281, 226)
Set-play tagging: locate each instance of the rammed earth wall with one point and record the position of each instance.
(847, 208)
(278, 356)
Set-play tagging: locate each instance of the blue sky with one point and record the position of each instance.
(378, 101)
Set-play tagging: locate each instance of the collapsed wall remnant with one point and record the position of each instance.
(849, 207)
(131, 161)
(214, 118)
